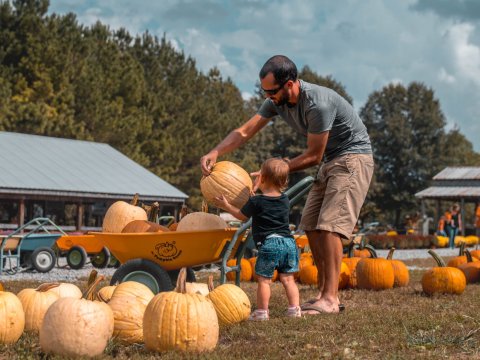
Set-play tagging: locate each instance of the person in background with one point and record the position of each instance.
(455, 224)
(277, 249)
(441, 226)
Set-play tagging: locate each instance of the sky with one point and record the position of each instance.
(364, 44)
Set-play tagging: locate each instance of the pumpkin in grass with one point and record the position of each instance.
(35, 304)
(67, 290)
(231, 303)
(400, 270)
(120, 213)
(77, 327)
(143, 226)
(375, 273)
(461, 258)
(309, 275)
(245, 272)
(128, 303)
(471, 269)
(128, 314)
(135, 289)
(176, 320)
(352, 261)
(443, 279)
(12, 317)
(228, 179)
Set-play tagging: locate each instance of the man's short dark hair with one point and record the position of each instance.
(282, 68)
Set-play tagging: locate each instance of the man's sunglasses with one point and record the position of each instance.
(274, 91)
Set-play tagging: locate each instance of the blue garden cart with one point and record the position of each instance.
(32, 249)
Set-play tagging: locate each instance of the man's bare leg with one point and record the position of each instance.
(328, 250)
(313, 241)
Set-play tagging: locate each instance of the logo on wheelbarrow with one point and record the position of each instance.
(166, 251)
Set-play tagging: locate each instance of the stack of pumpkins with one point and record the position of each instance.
(186, 319)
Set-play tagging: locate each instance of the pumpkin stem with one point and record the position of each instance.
(462, 248)
(371, 250)
(204, 206)
(181, 281)
(47, 286)
(210, 283)
(92, 277)
(135, 199)
(437, 258)
(390, 253)
(89, 294)
(468, 254)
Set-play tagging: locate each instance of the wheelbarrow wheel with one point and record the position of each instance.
(101, 259)
(173, 274)
(143, 271)
(43, 259)
(76, 257)
(114, 263)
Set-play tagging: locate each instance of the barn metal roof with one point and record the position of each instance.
(32, 164)
(450, 192)
(458, 173)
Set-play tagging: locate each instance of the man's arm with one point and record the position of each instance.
(233, 141)
(313, 155)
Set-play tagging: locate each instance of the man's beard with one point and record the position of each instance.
(283, 100)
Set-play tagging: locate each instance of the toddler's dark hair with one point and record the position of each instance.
(275, 171)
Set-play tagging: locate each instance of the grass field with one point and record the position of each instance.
(394, 324)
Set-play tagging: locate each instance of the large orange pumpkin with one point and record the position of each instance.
(228, 179)
(176, 320)
(12, 318)
(461, 258)
(119, 214)
(375, 273)
(443, 279)
(471, 269)
(245, 273)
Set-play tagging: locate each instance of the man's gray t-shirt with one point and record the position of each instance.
(320, 109)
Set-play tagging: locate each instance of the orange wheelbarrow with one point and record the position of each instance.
(155, 259)
(80, 248)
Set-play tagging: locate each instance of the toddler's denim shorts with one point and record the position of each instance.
(277, 253)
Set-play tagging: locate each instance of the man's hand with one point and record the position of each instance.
(207, 161)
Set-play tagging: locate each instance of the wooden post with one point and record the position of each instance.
(21, 212)
(80, 212)
(462, 214)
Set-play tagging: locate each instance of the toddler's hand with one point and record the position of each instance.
(221, 200)
(256, 181)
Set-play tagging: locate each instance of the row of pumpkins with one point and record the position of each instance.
(72, 324)
(470, 240)
(366, 271)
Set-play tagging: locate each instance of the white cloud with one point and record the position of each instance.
(365, 44)
(445, 77)
(467, 55)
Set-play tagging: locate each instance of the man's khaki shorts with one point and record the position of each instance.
(337, 195)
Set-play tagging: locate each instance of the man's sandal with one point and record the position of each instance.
(341, 307)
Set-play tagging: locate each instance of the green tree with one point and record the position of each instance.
(406, 127)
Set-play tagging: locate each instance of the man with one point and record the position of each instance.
(335, 135)
(477, 219)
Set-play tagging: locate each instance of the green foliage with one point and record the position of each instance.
(140, 95)
(406, 127)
